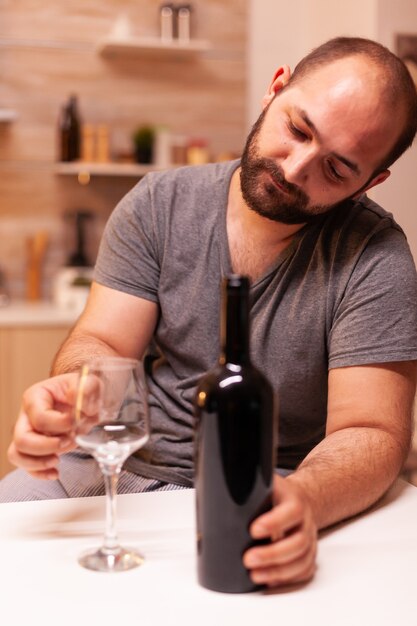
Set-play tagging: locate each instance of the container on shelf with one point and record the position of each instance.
(162, 148)
(87, 143)
(71, 287)
(103, 144)
(179, 150)
(197, 152)
(70, 131)
(143, 141)
(184, 22)
(167, 21)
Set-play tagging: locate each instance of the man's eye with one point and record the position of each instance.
(296, 131)
(334, 174)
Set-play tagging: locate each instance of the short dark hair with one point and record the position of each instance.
(399, 86)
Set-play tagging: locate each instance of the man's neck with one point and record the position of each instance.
(255, 242)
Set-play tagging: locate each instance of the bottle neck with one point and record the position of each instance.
(235, 321)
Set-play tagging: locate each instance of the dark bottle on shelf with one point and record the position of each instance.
(70, 131)
(235, 450)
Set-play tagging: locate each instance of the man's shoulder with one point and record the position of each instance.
(178, 189)
(371, 215)
(193, 175)
(356, 223)
(184, 193)
(359, 233)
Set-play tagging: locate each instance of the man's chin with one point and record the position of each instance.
(287, 214)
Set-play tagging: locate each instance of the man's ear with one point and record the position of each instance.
(376, 180)
(281, 78)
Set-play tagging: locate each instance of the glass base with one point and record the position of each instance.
(104, 561)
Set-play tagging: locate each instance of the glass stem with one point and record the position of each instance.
(111, 541)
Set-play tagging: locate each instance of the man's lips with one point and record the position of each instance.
(277, 184)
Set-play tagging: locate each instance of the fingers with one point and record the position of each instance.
(31, 442)
(290, 557)
(288, 549)
(279, 520)
(44, 467)
(47, 405)
(294, 571)
(44, 428)
(37, 453)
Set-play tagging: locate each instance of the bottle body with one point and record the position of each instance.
(235, 458)
(70, 132)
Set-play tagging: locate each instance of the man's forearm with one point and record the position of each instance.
(348, 472)
(78, 347)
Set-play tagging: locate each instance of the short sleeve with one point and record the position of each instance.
(376, 319)
(128, 258)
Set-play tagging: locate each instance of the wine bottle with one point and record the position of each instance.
(235, 450)
(70, 131)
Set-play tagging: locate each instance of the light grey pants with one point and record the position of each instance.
(79, 476)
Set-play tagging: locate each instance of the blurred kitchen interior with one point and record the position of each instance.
(50, 50)
(199, 97)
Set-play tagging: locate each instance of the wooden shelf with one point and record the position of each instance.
(84, 171)
(153, 47)
(7, 115)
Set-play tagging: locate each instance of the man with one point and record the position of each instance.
(333, 311)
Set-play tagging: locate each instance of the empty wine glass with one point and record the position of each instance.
(111, 422)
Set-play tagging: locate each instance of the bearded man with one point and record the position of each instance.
(333, 305)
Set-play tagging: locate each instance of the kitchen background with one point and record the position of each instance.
(49, 50)
(200, 97)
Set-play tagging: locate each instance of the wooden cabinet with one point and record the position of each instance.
(26, 355)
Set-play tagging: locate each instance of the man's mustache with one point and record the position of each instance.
(277, 175)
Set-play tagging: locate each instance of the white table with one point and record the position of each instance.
(367, 571)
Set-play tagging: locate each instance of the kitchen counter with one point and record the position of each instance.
(42, 313)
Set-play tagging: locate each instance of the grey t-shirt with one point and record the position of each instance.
(343, 293)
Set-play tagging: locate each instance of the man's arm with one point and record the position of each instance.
(368, 435)
(367, 439)
(113, 323)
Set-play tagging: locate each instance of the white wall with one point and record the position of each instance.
(283, 32)
(275, 37)
(395, 16)
(329, 18)
(399, 193)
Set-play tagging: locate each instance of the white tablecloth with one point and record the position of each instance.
(367, 572)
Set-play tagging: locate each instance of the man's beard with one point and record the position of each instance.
(288, 206)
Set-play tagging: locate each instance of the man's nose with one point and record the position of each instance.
(298, 165)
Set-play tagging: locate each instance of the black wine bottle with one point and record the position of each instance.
(235, 450)
(70, 131)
